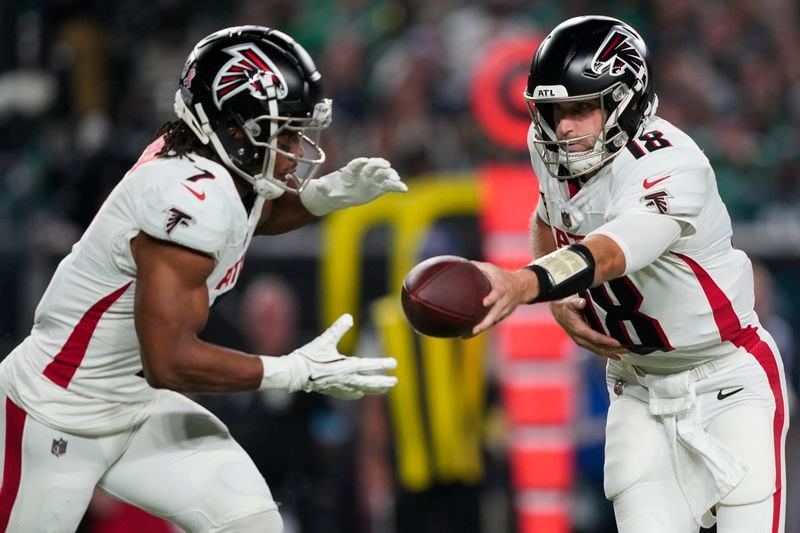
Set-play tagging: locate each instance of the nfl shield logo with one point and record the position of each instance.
(566, 219)
(59, 447)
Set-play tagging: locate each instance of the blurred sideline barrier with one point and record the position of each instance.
(537, 375)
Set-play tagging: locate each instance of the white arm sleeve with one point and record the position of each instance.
(642, 236)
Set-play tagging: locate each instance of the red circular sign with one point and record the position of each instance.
(496, 91)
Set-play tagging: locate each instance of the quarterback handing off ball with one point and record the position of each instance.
(442, 296)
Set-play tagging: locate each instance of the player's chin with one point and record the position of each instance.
(579, 149)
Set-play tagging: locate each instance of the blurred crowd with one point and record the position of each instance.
(84, 84)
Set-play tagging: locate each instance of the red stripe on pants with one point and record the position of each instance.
(750, 341)
(12, 463)
(730, 329)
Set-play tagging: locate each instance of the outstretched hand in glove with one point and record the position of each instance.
(360, 181)
(318, 366)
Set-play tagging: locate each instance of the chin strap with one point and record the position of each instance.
(183, 113)
(268, 190)
(265, 185)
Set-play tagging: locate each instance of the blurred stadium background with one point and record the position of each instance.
(513, 442)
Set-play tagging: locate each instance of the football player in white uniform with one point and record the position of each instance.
(91, 397)
(630, 220)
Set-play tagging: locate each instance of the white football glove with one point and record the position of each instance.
(318, 366)
(360, 181)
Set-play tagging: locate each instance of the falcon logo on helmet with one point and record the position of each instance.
(248, 69)
(616, 55)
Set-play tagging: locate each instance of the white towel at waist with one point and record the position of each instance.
(707, 470)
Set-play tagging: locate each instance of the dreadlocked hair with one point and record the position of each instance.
(179, 140)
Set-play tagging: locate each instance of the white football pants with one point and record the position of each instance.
(640, 478)
(181, 464)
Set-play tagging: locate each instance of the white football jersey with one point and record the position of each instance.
(80, 368)
(695, 301)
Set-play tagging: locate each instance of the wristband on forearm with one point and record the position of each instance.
(283, 373)
(314, 201)
(563, 273)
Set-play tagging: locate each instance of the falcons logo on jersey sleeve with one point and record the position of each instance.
(657, 201)
(176, 217)
(249, 69)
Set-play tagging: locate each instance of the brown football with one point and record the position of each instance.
(442, 296)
